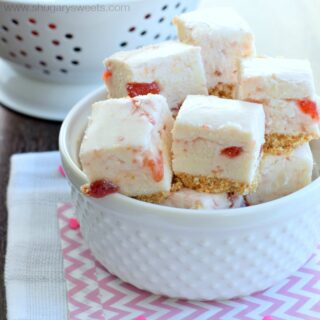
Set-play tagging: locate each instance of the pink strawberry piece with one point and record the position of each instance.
(232, 152)
(309, 107)
(100, 189)
(135, 89)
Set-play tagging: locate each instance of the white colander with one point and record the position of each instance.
(65, 41)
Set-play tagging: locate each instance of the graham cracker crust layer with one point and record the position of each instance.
(156, 198)
(281, 144)
(159, 198)
(223, 90)
(216, 185)
(177, 184)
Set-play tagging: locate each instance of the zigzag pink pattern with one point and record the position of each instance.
(120, 300)
(74, 245)
(198, 310)
(109, 305)
(250, 306)
(140, 297)
(159, 302)
(223, 313)
(301, 300)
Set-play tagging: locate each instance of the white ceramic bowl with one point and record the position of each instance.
(192, 254)
(66, 40)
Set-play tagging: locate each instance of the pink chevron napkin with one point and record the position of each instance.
(93, 293)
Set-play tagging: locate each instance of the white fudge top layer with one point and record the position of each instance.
(116, 123)
(151, 52)
(283, 175)
(209, 114)
(224, 38)
(216, 137)
(190, 199)
(275, 78)
(176, 68)
(224, 20)
(127, 142)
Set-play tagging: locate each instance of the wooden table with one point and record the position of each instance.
(18, 134)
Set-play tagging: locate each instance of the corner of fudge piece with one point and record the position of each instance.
(224, 38)
(217, 144)
(171, 68)
(128, 144)
(282, 175)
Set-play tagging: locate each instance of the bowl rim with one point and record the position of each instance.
(75, 113)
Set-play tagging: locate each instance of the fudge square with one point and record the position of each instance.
(283, 174)
(286, 89)
(171, 69)
(128, 143)
(224, 38)
(217, 144)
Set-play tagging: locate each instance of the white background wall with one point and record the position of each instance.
(289, 28)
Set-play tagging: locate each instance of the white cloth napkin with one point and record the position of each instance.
(34, 278)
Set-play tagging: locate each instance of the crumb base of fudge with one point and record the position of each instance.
(177, 184)
(223, 90)
(281, 144)
(156, 198)
(216, 185)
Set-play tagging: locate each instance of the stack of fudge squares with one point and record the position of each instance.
(202, 122)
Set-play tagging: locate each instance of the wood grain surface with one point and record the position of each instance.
(18, 134)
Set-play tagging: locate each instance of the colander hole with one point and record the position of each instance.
(52, 26)
(64, 70)
(56, 42)
(161, 20)
(32, 20)
(47, 72)
(39, 49)
(77, 49)
(27, 66)
(69, 36)
(132, 29)
(143, 33)
(75, 62)
(43, 63)
(12, 54)
(35, 33)
(147, 16)
(123, 44)
(157, 36)
(165, 7)
(184, 10)
(15, 21)
(60, 58)
(4, 40)
(19, 38)
(23, 53)
(178, 5)
(5, 28)
(168, 38)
